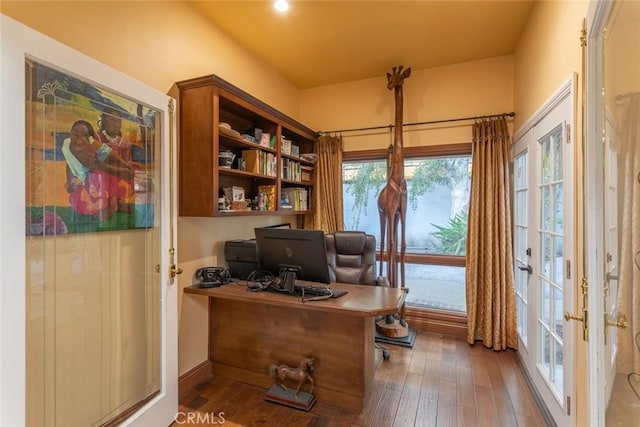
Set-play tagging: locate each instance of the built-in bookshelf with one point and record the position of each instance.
(239, 156)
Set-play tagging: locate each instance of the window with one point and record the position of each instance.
(438, 185)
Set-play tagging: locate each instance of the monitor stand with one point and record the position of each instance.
(288, 274)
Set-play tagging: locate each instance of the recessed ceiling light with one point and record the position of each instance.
(281, 5)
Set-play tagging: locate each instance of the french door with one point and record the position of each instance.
(543, 249)
(88, 307)
(612, 232)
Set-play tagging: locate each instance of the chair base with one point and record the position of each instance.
(385, 352)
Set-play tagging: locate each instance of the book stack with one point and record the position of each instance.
(298, 197)
(260, 162)
(291, 170)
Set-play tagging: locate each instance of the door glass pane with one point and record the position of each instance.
(547, 257)
(558, 365)
(557, 212)
(558, 258)
(552, 257)
(545, 350)
(521, 189)
(546, 207)
(556, 140)
(92, 207)
(547, 164)
(558, 319)
(546, 302)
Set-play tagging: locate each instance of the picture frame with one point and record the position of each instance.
(89, 155)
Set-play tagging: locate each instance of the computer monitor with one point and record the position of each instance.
(295, 250)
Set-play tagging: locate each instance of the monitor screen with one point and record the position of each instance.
(304, 251)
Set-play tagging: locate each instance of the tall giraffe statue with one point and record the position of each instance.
(392, 201)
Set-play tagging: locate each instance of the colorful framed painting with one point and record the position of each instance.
(89, 156)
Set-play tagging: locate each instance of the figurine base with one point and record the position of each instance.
(392, 330)
(304, 401)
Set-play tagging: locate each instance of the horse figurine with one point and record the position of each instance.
(299, 374)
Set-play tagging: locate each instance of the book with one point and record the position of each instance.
(286, 146)
(252, 161)
(269, 194)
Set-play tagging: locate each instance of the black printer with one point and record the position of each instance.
(241, 257)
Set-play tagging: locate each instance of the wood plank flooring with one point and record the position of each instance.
(442, 381)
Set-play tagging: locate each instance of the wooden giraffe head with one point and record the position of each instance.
(395, 79)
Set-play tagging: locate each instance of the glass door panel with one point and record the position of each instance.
(522, 250)
(93, 330)
(542, 174)
(550, 320)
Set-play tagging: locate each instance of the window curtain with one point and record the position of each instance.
(328, 193)
(490, 288)
(629, 293)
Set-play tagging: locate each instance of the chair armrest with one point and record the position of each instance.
(383, 281)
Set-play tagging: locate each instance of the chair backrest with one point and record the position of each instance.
(352, 257)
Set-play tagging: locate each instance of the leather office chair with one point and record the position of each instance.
(352, 259)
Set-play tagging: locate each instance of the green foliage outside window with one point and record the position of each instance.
(452, 239)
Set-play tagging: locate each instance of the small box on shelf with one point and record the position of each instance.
(264, 139)
(305, 172)
(234, 193)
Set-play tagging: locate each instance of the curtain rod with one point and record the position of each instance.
(511, 114)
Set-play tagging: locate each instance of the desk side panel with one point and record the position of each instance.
(247, 338)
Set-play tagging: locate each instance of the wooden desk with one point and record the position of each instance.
(249, 331)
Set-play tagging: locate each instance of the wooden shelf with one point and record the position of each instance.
(207, 101)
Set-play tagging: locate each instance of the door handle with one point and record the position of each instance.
(528, 268)
(620, 323)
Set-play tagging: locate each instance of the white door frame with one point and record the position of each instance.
(17, 43)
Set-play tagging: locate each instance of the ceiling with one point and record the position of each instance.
(318, 43)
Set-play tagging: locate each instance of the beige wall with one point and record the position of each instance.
(547, 53)
(159, 43)
(461, 90)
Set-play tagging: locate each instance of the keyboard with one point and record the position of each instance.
(318, 291)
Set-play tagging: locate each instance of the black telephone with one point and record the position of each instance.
(209, 277)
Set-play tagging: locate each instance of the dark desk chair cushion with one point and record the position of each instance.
(352, 257)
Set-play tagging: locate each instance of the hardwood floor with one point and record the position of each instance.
(441, 381)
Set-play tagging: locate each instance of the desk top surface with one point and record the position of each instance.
(361, 300)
